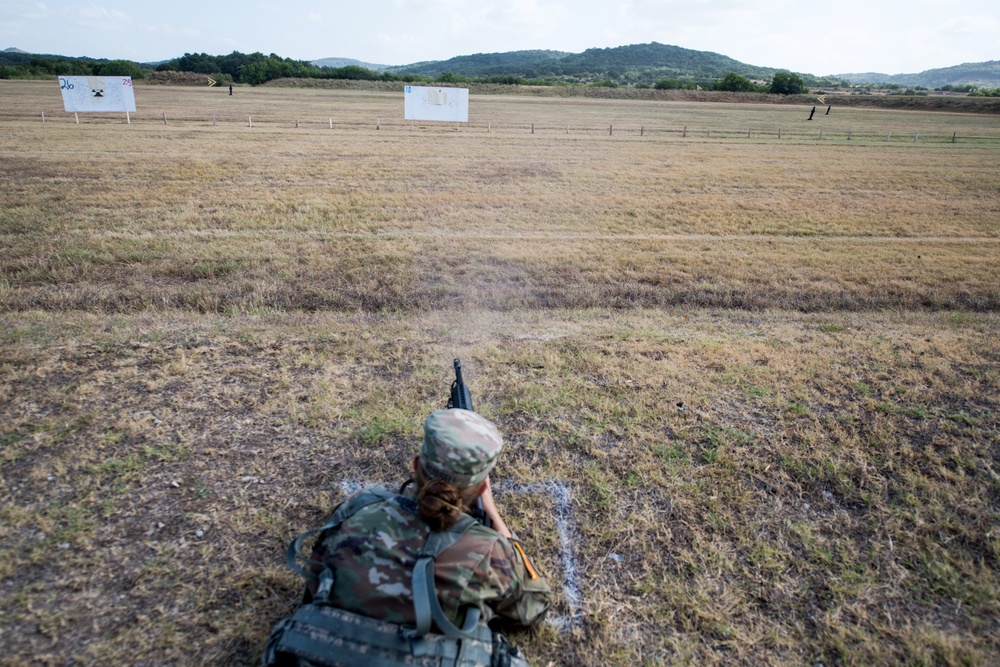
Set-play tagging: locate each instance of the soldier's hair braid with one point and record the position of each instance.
(438, 504)
(441, 504)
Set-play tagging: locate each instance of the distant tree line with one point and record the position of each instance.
(29, 66)
(898, 89)
(256, 68)
(595, 67)
(782, 83)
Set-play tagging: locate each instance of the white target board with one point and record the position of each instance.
(85, 94)
(446, 104)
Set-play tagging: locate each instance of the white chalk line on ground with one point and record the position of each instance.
(562, 495)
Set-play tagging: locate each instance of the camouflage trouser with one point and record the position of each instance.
(321, 635)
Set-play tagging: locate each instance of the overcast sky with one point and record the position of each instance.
(815, 37)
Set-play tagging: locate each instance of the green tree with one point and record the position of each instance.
(507, 79)
(786, 83)
(736, 83)
(355, 72)
(119, 68)
(451, 77)
(667, 84)
(199, 63)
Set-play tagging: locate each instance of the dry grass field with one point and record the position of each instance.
(766, 369)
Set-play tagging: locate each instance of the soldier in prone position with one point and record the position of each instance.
(373, 551)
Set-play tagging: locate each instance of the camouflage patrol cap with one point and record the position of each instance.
(460, 447)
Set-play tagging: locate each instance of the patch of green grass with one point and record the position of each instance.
(711, 442)
(911, 411)
(960, 320)
(167, 452)
(796, 408)
(382, 428)
(212, 270)
(766, 557)
(199, 489)
(9, 449)
(531, 399)
(632, 480)
(600, 486)
(963, 419)
(120, 474)
(673, 453)
(112, 437)
(986, 373)
(72, 522)
(61, 428)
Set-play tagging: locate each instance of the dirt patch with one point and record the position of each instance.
(178, 79)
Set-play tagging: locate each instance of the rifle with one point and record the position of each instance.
(461, 398)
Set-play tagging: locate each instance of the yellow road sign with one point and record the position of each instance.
(211, 81)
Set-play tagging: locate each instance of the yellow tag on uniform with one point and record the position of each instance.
(532, 574)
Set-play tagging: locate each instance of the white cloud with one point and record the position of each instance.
(533, 15)
(427, 5)
(101, 18)
(14, 17)
(11, 9)
(40, 11)
(972, 25)
(316, 19)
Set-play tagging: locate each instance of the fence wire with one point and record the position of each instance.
(652, 131)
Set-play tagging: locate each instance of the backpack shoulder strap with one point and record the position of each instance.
(438, 541)
(343, 511)
(426, 605)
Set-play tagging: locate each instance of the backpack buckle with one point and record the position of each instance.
(418, 645)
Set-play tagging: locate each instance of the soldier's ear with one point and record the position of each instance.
(416, 463)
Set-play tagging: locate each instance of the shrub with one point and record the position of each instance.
(451, 77)
(119, 68)
(667, 84)
(786, 83)
(736, 83)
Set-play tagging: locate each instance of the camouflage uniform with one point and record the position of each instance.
(373, 552)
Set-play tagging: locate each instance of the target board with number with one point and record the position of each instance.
(97, 93)
(440, 104)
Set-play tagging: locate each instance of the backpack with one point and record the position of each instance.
(321, 635)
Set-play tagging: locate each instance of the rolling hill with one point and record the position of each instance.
(631, 64)
(985, 74)
(348, 62)
(635, 63)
